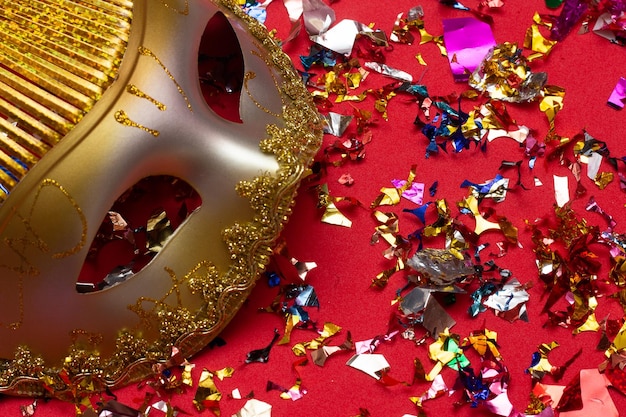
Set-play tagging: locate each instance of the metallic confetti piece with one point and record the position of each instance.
(436, 318)
(441, 267)
(255, 408)
(570, 15)
(262, 355)
(561, 190)
(331, 214)
(551, 104)
(294, 9)
(346, 179)
(384, 69)
(317, 16)
(537, 43)
(114, 408)
(29, 409)
(207, 395)
(186, 373)
(454, 4)
(445, 351)
(320, 355)
(508, 297)
(257, 10)
(618, 95)
(483, 341)
(553, 4)
(415, 301)
(594, 397)
(611, 25)
(518, 135)
(495, 189)
(370, 363)
(391, 196)
(340, 38)
(329, 330)
(224, 373)
(158, 231)
(482, 224)
(504, 74)
(467, 41)
(492, 4)
(414, 193)
(437, 389)
(336, 124)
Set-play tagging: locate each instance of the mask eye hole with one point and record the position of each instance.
(221, 68)
(135, 229)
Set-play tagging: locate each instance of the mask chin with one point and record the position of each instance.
(237, 150)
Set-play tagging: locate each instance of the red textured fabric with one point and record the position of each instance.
(586, 66)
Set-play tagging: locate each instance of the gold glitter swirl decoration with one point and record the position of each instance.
(146, 116)
(56, 60)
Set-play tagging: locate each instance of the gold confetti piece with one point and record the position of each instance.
(224, 373)
(328, 331)
(551, 104)
(603, 179)
(388, 228)
(538, 20)
(590, 325)
(483, 340)
(353, 79)
(331, 215)
(291, 322)
(443, 221)
(420, 59)
(536, 42)
(207, 394)
(186, 374)
(354, 98)
(482, 224)
(425, 37)
(445, 351)
(390, 196)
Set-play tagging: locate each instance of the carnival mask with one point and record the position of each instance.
(104, 104)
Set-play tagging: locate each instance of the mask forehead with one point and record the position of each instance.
(153, 120)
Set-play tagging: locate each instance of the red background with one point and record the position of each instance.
(586, 66)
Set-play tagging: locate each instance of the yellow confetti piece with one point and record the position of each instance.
(390, 196)
(388, 228)
(591, 325)
(551, 104)
(186, 374)
(331, 215)
(224, 373)
(425, 36)
(353, 98)
(603, 179)
(353, 79)
(291, 322)
(536, 42)
(420, 59)
(482, 224)
(207, 392)
(328, 330)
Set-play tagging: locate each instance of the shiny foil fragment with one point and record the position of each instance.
(504, 74)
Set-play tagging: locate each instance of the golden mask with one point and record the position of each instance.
(97, 99)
